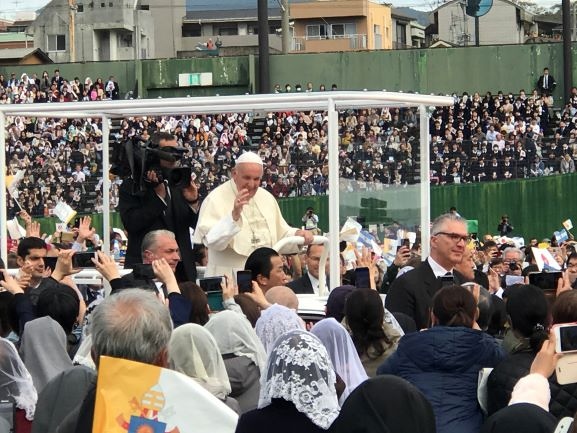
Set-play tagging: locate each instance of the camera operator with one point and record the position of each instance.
(505, 226)
(160, 206)
(310, 220)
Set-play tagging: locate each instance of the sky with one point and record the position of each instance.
(426, 5)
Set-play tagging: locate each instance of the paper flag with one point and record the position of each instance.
(135, 397)
(567, 224)
(545, 260)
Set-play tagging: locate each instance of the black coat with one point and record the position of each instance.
(280, 416)
(505, 375)
(412, 293)
(302, 285)
(141, 214)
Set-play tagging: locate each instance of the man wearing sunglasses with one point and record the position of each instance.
(412, 293)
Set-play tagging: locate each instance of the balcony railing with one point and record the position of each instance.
(356, 41)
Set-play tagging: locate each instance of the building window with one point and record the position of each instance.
(80, 8)
(191, 30)
(401, 34)
(316, 31)
(227, 31)
(56, 43)
(125, 40)
(342, 30)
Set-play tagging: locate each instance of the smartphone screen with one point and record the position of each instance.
(213, 291)
(211, 284)
(82, 260)
(362, 278)
(545, 280)
(568, 338)
(244, 281)
(50, 262)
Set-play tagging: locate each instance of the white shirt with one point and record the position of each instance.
(438, 270)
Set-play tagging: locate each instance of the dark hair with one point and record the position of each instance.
(528, 311)
(30, 243)
(259, 262)
(454, 306)
(572, 256)
(336, 302)
(365, 312)
(564, 308)
(157, 137)
(249, 307)
(489, 244)
(61, 303)
(199, 301)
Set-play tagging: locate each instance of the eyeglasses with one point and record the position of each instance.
(455, 237)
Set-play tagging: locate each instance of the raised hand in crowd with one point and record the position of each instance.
(106, 266)
(190, 194)
(64, 266)
(33, 229)
(546, 360)
(229, 289)
(402, 256)
(10, 284)
(564, 284)
(258, 296)
(365, 260)
(84, 231)
(164, 273)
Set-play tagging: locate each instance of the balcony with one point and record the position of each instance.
(313, 44)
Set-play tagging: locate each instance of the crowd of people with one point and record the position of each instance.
(480, 138)
(466, 307)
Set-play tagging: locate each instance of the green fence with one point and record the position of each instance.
(536, 207)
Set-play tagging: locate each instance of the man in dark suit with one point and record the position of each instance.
(309, 282)
(546, 83)
(412, 293)
(160, 207)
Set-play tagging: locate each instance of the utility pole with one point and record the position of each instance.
(263, 51)
(567, 55)
(286, 36)
(71, 29)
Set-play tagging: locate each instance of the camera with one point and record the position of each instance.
(136, 157)
(513, 266)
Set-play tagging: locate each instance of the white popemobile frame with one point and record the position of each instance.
(325, 101)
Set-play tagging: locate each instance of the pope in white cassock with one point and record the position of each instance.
(238, 217)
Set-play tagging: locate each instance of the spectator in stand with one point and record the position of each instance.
(546, 83)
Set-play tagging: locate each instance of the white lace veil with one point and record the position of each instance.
(193, 351)
(299, 370)
(234, 334)
(275, 321)
(15, 380)
(342, 352)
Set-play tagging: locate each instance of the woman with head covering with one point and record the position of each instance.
(15, 380)
(275, 321)
(243, 354)
(43, 350)
(193, 351)
(297, 392)
(342, 352)
(385, 404)
(444, 361)
(374, 339)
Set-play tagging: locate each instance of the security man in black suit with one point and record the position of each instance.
(412, 293)
(160, 207)
(309, 282)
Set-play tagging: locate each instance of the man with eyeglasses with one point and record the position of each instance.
(412, 293)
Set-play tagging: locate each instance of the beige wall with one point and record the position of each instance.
(498, 26)
(364, 14)
(328, 9)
